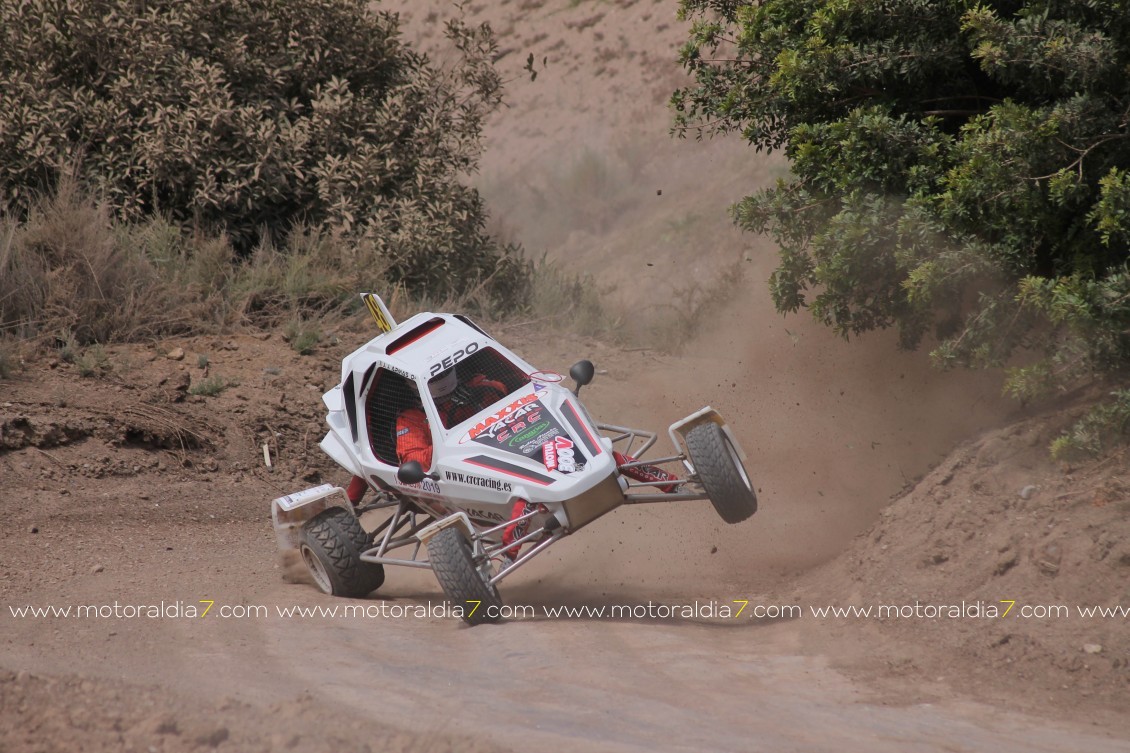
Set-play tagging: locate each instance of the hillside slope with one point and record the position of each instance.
(126, 488)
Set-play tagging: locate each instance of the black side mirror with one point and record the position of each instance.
(413, 473)
(582, 373)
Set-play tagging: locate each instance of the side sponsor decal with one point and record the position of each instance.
(500, 419)
(488, 483)
(522, 428)
(291, 501)
(452, 358)
(427, 486)
(525, 431)
(493, 517)
(524, 435)
(426, 494)
(510, 469)
(559, 455)
(395, 370)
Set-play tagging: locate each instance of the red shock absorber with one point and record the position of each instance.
(517, 528)
(646, 473)
(356, 490)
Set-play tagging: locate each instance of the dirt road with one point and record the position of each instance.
(538, 683)
(124, 491)
(127, 489)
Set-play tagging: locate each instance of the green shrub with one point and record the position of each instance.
(71, 267)
(9, 358)
(960, 170)
(212, 386)
(302, 336)
(92, 361)
(1104, 425)
(239, 118)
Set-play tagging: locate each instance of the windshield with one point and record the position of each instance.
(480, 380)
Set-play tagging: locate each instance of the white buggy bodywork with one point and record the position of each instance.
(537, 447)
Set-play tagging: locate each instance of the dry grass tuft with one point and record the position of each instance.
(74, 278)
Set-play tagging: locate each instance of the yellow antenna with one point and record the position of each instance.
(380, 313)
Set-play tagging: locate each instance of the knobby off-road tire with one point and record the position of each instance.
(720, 470)
(449, 551)
(331, 547)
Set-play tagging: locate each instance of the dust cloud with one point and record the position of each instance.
(580, 166)
(832, 430)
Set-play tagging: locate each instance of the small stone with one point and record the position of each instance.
(213, 738)
(1092, 648)
(168, 726)
(176, 354)
(1027, 492)
(96, 569)
(1048, 558)
(33, 529)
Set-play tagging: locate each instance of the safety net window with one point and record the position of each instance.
(389, 395)
(480, 379)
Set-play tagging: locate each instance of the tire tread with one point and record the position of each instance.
(709, 453)
(450, 555)
(337, 538)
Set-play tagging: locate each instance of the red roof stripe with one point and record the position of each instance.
(413, 335)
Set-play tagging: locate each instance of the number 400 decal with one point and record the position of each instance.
(558, 455)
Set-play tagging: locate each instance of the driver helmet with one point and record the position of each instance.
(443, 384)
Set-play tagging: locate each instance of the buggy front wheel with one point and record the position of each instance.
(466, 583)
(331, 548)
(720, 469)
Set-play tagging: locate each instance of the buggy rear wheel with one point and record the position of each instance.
(721, 472)
(465, 583)
(331, 547)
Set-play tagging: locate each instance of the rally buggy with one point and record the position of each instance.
(504, 484)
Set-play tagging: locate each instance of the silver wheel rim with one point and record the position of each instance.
(482, 564)
(317, 570)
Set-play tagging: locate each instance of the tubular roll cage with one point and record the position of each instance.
(403, 527)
